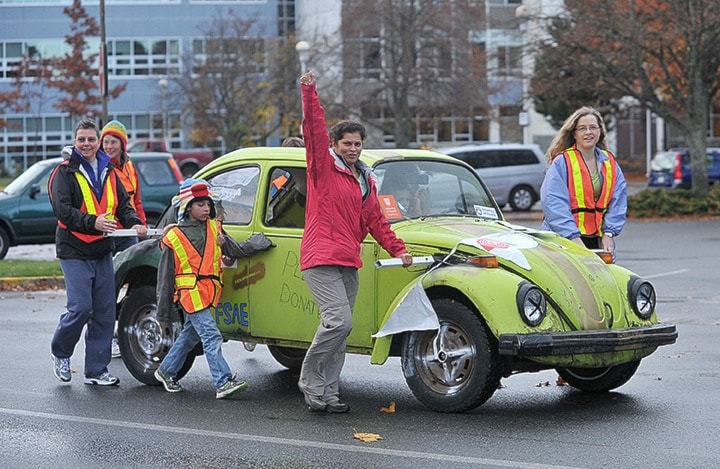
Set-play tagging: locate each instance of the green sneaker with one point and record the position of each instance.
(231, 387)
(168, 382)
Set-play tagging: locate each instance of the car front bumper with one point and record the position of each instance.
(587, 342)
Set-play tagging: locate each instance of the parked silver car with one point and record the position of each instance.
(513, 172)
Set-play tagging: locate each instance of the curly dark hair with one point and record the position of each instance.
(338, 131)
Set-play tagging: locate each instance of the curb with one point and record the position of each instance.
(32, 283)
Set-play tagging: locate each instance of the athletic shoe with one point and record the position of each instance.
(103, 379)
(168, 382)
(62, 368)
(115, 353)
(231, 387)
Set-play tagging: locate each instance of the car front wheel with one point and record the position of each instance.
(4, 243)
(456, 368)
(599, 379)
(522, 198)
(144, 339)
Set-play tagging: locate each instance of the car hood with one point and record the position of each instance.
(576, 281)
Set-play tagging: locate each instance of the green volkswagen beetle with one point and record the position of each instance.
(499, 298)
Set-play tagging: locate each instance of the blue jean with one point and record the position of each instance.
(91, 302)
(199, 326)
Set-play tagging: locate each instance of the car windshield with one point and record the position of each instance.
(417, 188)
(20, 183)
(663, 161)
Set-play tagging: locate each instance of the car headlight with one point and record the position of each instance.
(642, 297)
(531, 304)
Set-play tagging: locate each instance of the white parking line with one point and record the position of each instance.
(282, 441)
(665, 274)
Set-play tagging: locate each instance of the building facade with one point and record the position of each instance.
(147, 41)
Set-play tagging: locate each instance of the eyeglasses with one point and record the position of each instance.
(583, 128)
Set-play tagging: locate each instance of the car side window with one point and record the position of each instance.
(286, 198)
(518, 157)
(477, 159)
(156, 173)
(238, 191)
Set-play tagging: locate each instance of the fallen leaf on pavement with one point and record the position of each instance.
(366, 437)
(389, 409)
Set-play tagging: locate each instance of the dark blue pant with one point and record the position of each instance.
(90, 301)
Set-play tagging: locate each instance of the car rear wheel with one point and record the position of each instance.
(144, 339)
(522, 198)
(599, 379)
(289, 357)
(456, 368)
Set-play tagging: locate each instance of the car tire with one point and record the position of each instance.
(289, 357)
(456, 368)
(522, 198)
(144, 339)
(599, 379)
(4, 243)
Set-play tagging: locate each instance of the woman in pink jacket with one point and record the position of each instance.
(342, 208)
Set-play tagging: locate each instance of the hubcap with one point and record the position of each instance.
(447, 360)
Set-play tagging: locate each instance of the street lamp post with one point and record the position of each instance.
(303, 50)
(103, 64)
(163, 84)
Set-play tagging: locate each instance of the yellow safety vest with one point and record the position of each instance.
(197, 276)
(587, 211)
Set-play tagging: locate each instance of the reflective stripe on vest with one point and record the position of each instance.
(91, 206)
(588, 212)
(197, 278)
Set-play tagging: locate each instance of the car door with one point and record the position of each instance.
(276, 303)
(35, 219)
(237, 189)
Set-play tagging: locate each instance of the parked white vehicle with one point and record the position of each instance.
(513, 172)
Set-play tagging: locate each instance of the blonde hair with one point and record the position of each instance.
(566, 136)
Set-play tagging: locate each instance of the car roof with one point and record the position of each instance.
(370, 156)
(149, 155)
(490, 146)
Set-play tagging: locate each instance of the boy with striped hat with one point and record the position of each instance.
(190, 274)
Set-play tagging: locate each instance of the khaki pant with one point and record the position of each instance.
(334, 289)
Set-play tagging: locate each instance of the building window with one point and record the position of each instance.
(364, 59)
(286, 17)
(251, 52)
(142, 57)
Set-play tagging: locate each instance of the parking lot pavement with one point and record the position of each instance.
(32, 252)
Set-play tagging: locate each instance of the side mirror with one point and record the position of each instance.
(34, 190)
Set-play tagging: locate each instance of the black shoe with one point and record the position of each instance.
(337, 408)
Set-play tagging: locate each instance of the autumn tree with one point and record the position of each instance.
(664, 53)
(406, 58)
(239, 85)
(75, 73)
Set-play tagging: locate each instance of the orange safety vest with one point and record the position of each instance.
(90, 204)
(588, 212)
(129, 178)
(197, 276)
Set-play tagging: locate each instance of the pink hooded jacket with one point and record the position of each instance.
(337, 218)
